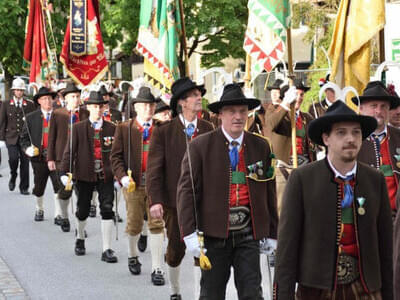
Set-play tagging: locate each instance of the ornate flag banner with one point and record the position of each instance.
(78, 27)
(91, 64)
(265, 38)
(158, 38)
(40, 56)
(357, 22)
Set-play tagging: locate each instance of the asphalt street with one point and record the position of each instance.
(42, 257)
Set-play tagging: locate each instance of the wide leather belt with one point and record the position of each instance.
(347, 270)
(239, 217)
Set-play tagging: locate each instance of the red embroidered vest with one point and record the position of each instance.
(387, 169)
(239, 192)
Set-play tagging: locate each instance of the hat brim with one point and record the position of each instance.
(176, 97)
(318, 126)
(251, 103)
(65, 93)
(37, 96)
(95, 102)
(270, 88)
(143, 100)
(304, 88)
(393, 101)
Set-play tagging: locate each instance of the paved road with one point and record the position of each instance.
(42, 257)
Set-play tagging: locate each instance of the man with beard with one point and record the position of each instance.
(382, 149)
(61, 121)
(167, 147)
(335, 235)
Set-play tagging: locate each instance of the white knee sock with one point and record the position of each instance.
(156, 249)
(196, 281)
(39, 203)
(64, 208)
(80, 225)
(57, 208)
(94, 198)
(106, 229)
(144, 228)
(132, 245)
(117, 202)
(174, 279)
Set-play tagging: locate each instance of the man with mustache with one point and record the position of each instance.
(335, 235)
(382, 149)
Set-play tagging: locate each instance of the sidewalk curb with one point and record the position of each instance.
(10, 288)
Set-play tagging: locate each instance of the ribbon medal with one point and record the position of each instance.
(397, 157)
(252, 169)
(361, 209)
(108, 140)
(259, 165)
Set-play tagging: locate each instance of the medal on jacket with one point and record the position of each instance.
(108, 140)
(397, 157)
(361, 209)
(252, 169)
(259, 165)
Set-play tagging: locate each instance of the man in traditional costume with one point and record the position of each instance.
(227, 190)
(168, 145)
(335, 229)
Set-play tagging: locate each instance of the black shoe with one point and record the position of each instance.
(80, 247)
(92, 211)
(11, 184)
(108, 256)
(39, 215)
(157, 277)
(24, 192)
(76, 233)
(1, 175)
(58, 220)
(176, 297)
(134, 265)
(142, 243)
(65, 226)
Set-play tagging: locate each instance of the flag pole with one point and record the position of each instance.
(292, 107)
(184, 43)
(247, 77)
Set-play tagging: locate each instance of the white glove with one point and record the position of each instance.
(192, 244)
(125, 181)
(117, 185)
(30, 151)
(64, 179)
(290, 97)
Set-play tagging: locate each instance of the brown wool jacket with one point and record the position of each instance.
(120, 150)
(278, 123)
(82, 151)
(166, 151)
(12, 120)
(58, 132)
(396, 253)
(307, 233)
(212, 173)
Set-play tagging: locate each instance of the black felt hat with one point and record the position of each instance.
(299, 84)
(103, 91)
(233, 95)
(161, 106)
(43, 91)
(144, 96)
(339, 112)
(376, 90)
(276, 85)
(71, 88)
(96, 98)
(180, 87)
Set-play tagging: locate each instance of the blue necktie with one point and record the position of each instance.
(190, 130)
(48, 117)
(234, 155)
(348, 192)
(146, 131)
(95, 125)
(73, 117)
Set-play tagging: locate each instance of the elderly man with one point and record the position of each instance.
(232, 174)
(335, 235)
(381, 150)
(167, 147)
(34, 142)
(12, 116)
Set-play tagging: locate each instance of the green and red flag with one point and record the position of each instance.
(40, 56)
(83, 49)
(265, 38)
(159, 35)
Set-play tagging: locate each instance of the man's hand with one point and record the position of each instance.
(192, 244)
(289, 98)
(64, 179)
(125, 181)
(51, 164)
(156, 211)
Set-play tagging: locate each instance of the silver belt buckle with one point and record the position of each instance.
(143, 179)
(239, 217)
(97, 166)
(347, 271)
